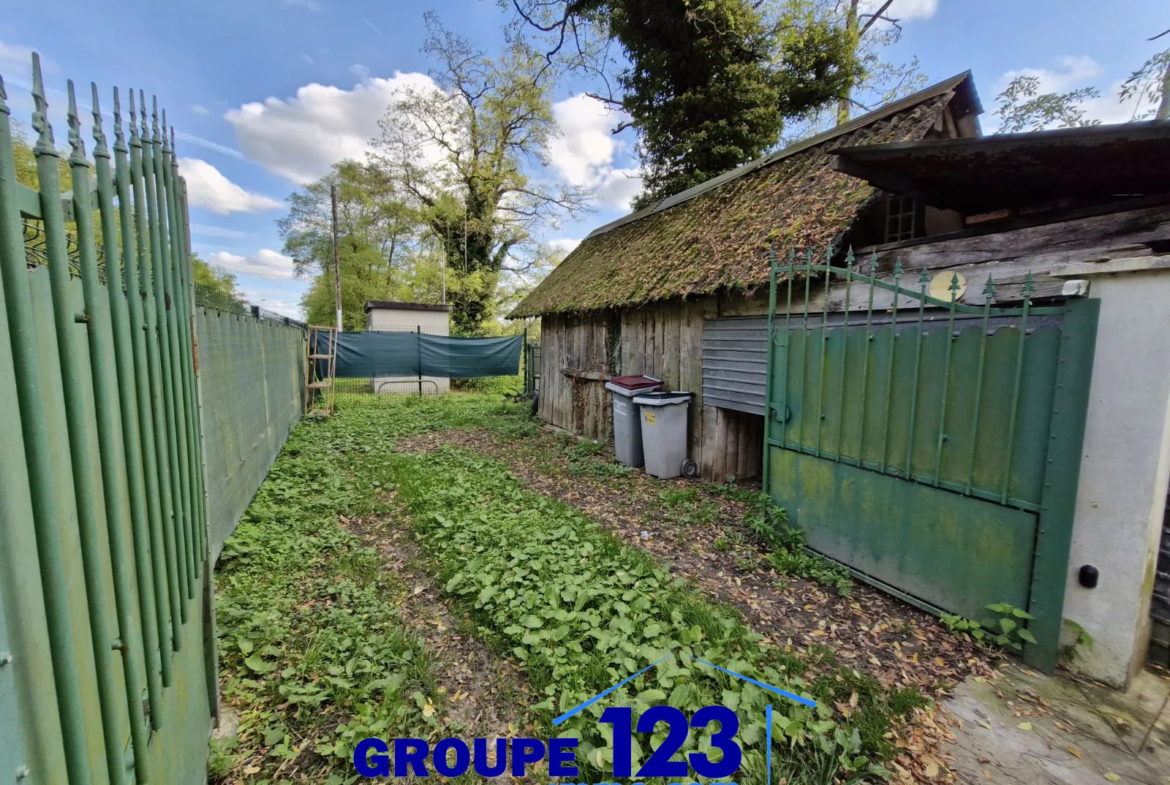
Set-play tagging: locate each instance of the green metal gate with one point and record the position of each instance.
(107, 671)
(932, 447)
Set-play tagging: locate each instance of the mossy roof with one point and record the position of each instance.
(716, 236)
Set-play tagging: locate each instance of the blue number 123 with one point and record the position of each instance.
(660, 764)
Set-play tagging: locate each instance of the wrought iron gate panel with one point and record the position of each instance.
(917, 442)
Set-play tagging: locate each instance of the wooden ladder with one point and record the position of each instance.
(315, 382)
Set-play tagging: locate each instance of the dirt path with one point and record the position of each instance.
(485, 694)
(695, 530)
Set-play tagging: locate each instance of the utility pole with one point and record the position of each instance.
(336, 263)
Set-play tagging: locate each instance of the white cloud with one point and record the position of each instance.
(277, 304)
(200, 109)
(585, 150)
(300, 138)
(565, 244)
(902, 10)
(1073, 71)
(265, 263)
(208, 188)
(205, 230)
(360, 71)
(207, 144)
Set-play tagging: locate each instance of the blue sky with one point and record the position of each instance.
(266, 94)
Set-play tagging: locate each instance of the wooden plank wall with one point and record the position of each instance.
(663, 340)
(573, 367)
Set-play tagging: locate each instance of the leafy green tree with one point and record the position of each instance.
(215, 280)
(461, 156)
(707, 83)
(1150, 84)
(378, 242)
(1022, 107)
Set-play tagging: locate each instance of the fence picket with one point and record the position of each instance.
(81, 453)
(129, 384)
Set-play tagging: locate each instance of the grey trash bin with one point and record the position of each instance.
(664, 431)
(627, 434)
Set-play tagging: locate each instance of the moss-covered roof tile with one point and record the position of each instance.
(717, 237)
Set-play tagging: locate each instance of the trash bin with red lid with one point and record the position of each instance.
(627, 430)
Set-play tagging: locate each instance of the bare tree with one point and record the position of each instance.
(464, 152)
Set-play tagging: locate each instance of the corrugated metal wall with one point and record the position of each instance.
(251, 374)
(735, 362)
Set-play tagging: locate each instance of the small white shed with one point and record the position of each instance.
(425, 318)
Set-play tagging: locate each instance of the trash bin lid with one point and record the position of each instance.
(632, 384)
(662, 398)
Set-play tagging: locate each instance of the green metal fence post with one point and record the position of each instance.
(844, 353)
(891, 367)
(131, 381)
(864, 392)
(164, 303)
(162, 546)
(31, 592)
(1070, 405)
(770, 363)
(177, 328)
(81, 454)
(103, 371)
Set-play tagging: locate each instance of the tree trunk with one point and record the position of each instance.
(850, 27)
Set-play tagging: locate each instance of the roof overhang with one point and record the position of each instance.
(387, 305)
(976, 175)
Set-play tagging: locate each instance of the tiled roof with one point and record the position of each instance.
(715, 236)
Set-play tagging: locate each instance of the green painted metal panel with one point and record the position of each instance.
(251, 379)
(1070, 405)
(57, 438)
(947, 550)
(854, 419)
(935, 448)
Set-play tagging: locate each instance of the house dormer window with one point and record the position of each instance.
(903, 218)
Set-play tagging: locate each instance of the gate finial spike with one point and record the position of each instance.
(954, 287)
(165, 134)
(119, 139)
(154, 118)
(989, 289)
(924, 279)
(873, 263)
(99, 135)
(145, 125)
(3, 97)
(134, 140)
(40, 120)
(76, 143)
(1029, 287)
(849, 259)
(898, 268)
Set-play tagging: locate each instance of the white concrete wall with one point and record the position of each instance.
(1126, 463)
(432, 323)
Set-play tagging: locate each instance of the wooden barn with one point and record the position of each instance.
(637, 295)
(988, 367)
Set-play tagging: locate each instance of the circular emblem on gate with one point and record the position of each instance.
(940, 286)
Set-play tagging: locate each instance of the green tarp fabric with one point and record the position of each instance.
(372, 354)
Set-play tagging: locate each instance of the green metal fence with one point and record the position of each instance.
(107, 665)
(931, 446)
(251, 372)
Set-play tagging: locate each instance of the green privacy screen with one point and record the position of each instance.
(251, 376)
(364, 355)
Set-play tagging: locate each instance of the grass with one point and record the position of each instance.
(314, 655)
